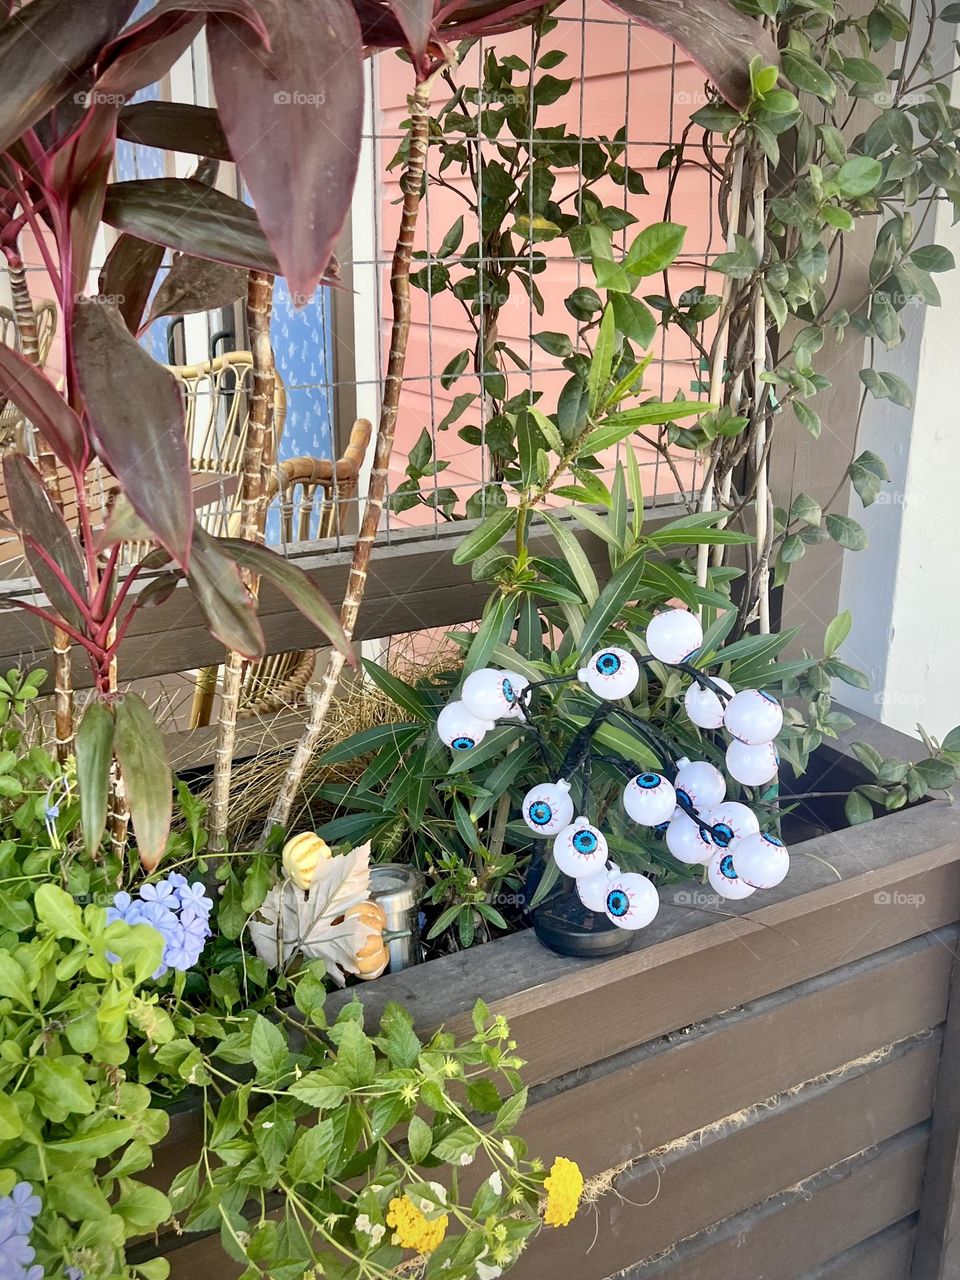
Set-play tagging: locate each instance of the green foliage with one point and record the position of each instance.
(900, 157)
(311, 1130)
(490, 145)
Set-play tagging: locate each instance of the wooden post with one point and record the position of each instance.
(320, 697)
(259, 308)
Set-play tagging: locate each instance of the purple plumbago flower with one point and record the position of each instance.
(24, 1205)
(162, 891)
(193, 898)
(179, 912)
(17, 1212)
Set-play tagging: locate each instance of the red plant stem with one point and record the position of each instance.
(121, 632)
(38, 234)
(64, 581)
(111, 617)
(99, 603)
(52, 620)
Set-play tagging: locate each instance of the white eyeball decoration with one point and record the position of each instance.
(732, 822)
(753, 717)
(592, 890)
(460, 729)
(649, 799)
(700, 783)
(724, 879)
(547, 808)
(492, 695)
(703, 706)
(632, 901)
(753, 766)
(674, 635)
(580, 850)
(761, 861)
(612, 673)
(685, 841)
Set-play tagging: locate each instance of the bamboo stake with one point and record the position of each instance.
(708, 493)
(259, 309)
(26, 322)
(761, 460)
(319, 697)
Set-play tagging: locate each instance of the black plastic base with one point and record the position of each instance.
(566, 926)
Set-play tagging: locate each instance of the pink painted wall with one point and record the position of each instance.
(629, 75)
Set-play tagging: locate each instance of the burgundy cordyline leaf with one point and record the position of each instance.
(293, 119)
(174, 126)
(45, 48)
(128, 274)
(197, 284)
(146, 51)
(80, 173)
(226, 604)
(416, 19)
(137, 418)
(94, 757)
(295, 585)
(192, 217)
(39, 401)
(719, 39)
(36, 518)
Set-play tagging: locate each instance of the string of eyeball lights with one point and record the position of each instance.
(690, 811)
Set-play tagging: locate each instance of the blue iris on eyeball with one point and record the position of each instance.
(721, 835)
(618, 904)
(608, 663)
(585, 841)
(726, 867)
(540, 813)
(463, 743)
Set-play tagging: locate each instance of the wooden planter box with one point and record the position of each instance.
(766, 1086)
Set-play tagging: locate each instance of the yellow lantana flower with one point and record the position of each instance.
(412, 1230)
(564, 1187)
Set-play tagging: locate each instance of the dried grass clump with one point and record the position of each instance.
(359, 705)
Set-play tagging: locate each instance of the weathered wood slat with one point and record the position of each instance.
(568, 1013)
(668, 1088)
(885, 1256)
(937, 1255)
(413, 583)
(664, 1090)
(805, 1228)
(757, 1155)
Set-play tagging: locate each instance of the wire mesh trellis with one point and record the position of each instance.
(625, 84)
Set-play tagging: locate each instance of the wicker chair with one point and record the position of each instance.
(217, 399)
(311, 492)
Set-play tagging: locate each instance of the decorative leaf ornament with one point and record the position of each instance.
(317, 923)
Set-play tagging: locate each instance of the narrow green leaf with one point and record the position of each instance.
(602, 361)
(403, 694)
(142, 757)
(94, 755)
(486, 535)
(837, 632)
(575, 557)
(619, 591)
